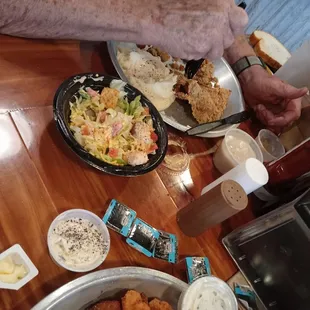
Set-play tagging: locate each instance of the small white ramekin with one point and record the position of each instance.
(86, 215)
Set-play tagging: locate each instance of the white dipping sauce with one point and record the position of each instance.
(208, 293)
(239, 149)
(78, 242)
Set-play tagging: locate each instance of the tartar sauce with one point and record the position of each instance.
(210, 299)
(208, 293)
(239, 149)
(78, 242)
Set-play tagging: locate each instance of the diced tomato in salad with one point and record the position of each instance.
(154, 136)
(113, 152)
(85, 130)
(152, 148)
(146, 111)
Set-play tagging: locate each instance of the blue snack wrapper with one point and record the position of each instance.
(143, 237)
(245, 294)
(166, 247)
(119, 217)
(197, 267)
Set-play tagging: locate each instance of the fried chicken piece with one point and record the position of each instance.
(133, 301)
(208, 104)
(204, 75)
(107, 305)
(131, 297)
(183, 87)
(144, 298)
(155, 51)
(157, 304)
(109, 97)
(141, 306)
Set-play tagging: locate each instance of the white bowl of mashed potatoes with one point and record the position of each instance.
(78, 240)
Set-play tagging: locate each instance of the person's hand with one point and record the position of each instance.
(277, 104)
(194, 29)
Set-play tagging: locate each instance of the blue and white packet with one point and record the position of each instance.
(119, 217)
(197, 267)
(246, 296)
(166, 247)
(143, 237)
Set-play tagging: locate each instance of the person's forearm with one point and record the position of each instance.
(239, 49)
(77, 19)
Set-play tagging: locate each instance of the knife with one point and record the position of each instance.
(230, 120)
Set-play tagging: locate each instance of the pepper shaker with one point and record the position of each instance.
(215, 206)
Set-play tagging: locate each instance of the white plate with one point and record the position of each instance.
(179, 115)
(21, 258)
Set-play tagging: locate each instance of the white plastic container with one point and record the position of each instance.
(236, 147)
(208, 289)
(20, 258)
(251, 175)
(83, 214)
(270, 145)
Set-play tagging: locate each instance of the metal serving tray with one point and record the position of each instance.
(179, 115)
(112, 283)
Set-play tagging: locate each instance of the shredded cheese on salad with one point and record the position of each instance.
(111, 128)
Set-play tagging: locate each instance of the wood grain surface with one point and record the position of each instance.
(41, 177)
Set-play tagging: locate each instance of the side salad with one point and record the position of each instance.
(111, 128)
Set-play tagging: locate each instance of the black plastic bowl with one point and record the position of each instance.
(64, 95)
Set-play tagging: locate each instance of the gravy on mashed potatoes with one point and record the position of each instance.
(150, 75)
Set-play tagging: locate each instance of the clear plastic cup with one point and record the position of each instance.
(207, 293)
(236, 147)
(86, 215)
(270, 145)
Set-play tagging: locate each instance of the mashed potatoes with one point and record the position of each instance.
(150, 75)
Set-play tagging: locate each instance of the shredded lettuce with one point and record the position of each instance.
(112, 112)
(120, 86)
(109, 128)
(114, 161)
(133, 108)
(84, 94)
(123, 104)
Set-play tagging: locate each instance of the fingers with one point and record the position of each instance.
(263, 114)
(285, 118)
(286, 91)
(238, 20)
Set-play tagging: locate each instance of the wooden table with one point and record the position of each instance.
(41, 177)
